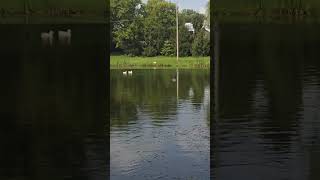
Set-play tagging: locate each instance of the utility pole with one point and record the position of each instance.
(177, 24)
(26, 11)
(177, 29)
(177, 77)
(216, 63)
(26, 7)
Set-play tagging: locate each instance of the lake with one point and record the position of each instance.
(266, 123)
(160, 122)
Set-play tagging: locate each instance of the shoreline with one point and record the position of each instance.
(158, 62)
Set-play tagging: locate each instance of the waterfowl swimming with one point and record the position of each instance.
(130, 72)
(174, 79)
(65, 36)
(47, 36)
(65, 33)
(124, 73)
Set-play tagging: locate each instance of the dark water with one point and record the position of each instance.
(159, 127)
(53, 104)
(266, 123)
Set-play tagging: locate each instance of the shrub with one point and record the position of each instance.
(168, 49)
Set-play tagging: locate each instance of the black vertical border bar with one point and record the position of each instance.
(107, 65)
(212, 105)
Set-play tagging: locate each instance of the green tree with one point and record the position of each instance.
(168, 48)
(201, 44)
(207, 17)
(150, 29)
(159, 25)
(126, 22)
(185, 41)
(186, 37)
(191, 16)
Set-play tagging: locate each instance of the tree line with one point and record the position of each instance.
(149, 29)
(268, 7)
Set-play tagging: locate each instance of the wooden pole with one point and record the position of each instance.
(216, 50)
(177, 29)
(25, 7)
(177, 76)
(26, 11)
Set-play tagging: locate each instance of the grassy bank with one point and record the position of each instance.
(126, 62)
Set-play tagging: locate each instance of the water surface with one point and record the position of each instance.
(159, 124)
(267, 102)
(53, 104)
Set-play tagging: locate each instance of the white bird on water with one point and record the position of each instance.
(130, 72)
(47, 37)
(174, 79)
(124, 73)
(65, 36)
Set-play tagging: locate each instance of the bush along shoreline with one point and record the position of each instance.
(149, 29)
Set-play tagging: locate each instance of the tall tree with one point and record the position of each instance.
(186, 37)
(159, 25)
(126, 23)
(185, 40)
(201, 44)
(207, 21)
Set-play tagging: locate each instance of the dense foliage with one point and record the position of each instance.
(149, 29)
(267, 7)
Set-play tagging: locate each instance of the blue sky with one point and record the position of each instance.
(198, 5)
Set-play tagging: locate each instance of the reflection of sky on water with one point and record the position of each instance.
(311, 104)
(175, 148)
(268, 125)
(192, 134)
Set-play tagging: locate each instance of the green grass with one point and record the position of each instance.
(126, 62)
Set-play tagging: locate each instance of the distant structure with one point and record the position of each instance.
(206, 26)
(190, 27)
